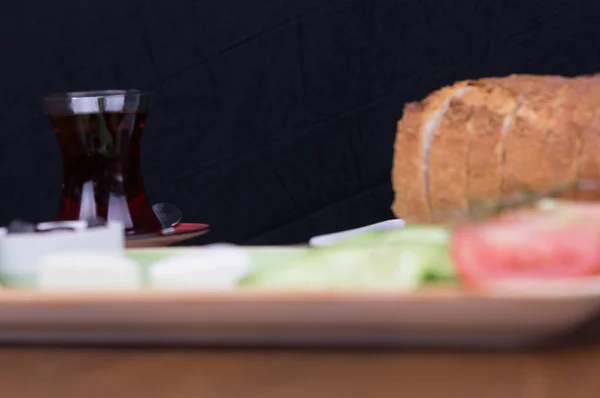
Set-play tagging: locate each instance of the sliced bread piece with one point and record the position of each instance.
(588, 165)
(445, 169)
(494, 111)
(409, 203)
(525, 142)
(416, 131)
(564, 142)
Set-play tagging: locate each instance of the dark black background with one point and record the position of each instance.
(277, 117)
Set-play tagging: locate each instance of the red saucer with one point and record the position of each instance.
(180, 233)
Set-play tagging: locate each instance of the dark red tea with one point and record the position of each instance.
(101, 168)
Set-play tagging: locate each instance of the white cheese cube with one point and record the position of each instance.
(215, 267)
(87, 271)
(19, 253)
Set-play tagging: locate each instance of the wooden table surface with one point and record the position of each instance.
(62, 372)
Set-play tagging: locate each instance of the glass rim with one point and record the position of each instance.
(92, 94)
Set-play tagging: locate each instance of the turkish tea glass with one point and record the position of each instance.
(99, 134)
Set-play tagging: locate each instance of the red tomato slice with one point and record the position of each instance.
(530, 244)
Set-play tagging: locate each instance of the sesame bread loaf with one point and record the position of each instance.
(480, 139)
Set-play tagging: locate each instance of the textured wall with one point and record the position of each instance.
(277, 116)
